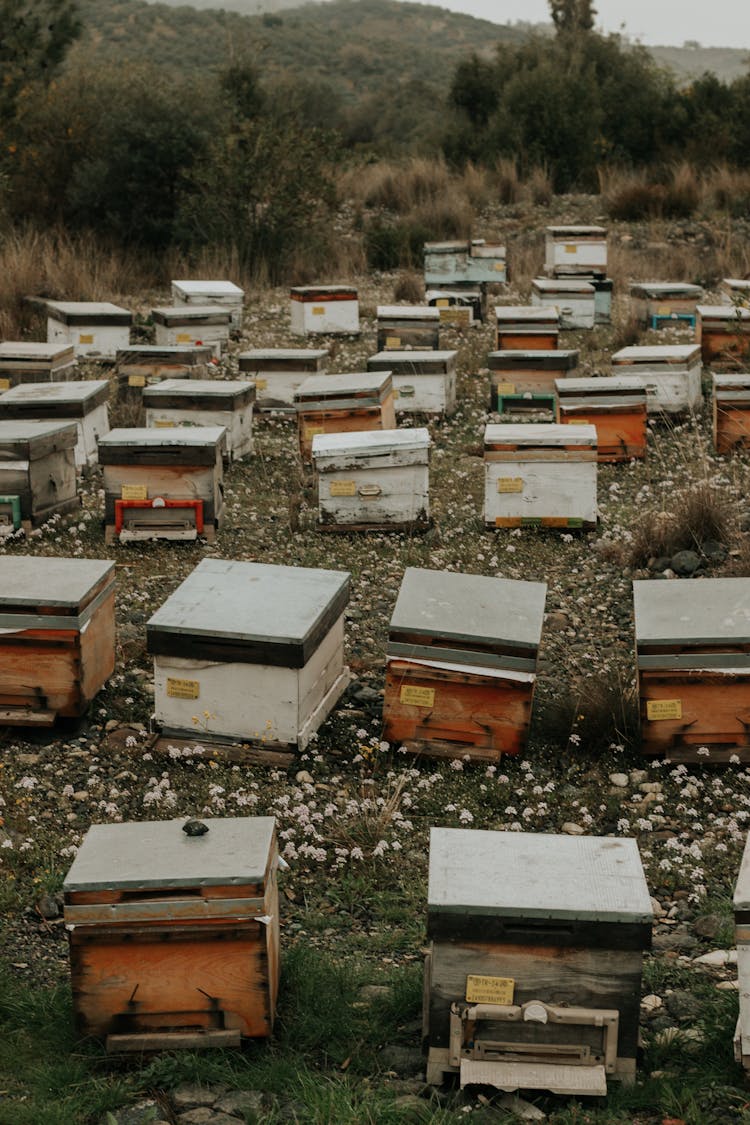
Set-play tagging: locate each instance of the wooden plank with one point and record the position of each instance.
(172, 1041)
(275, 755)
(714, 713)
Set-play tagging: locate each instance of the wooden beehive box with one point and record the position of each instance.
(423, 382)
(616, 405)
(258, 647)
(278, 372)
(570, 250)
(332, 404)
(672, 374)
(35, 363)
(461, 664)
(574, 299)
(174, 939)
(445, 262)
(96, 329)
(526, 327)
(224, 293)
(540, 476)
(205, 402)
(723, 332)
(57, 636)
(163, 483)
(486, 262)
(603, 287)
(657, 304)
(533, 974)
(736, 290)
(408, 326)
(84, 403)
(377, 479)
(731, 412)
(37, 473)
(525, 380)
(692, 644)
(742, 941)
(193, 324)
(324, 310)
(142, 365)
(459, 306)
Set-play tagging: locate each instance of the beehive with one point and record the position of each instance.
(736, 289)
(163, 483)
(692, 648)
(423, 382)
(540, 476)
(324, 310)
(672, 374)
(224, 293)
(278, 372)
(571, 250)
(332, 404)
(57, 636)
(486, 262)
(461, 664)
(84, 403)
(525, 380)
(257, 649)
(375, 479)
(174, 938)
(575, 300)
(37, 473)
(615, 405)
(193, 324)
(723, 332)
(742, 941)
(458, 305)
(526, 327)
(533, 974)
(603, 287)
(408, 326)
(94, 328)
(143, 365)
(35, 363)
(659, 303)
(731, 412)
(476, 261)
(205, 402)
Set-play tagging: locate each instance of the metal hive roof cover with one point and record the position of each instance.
(206, 288)
(738, 381)
(657, 353)
(536, 875)
(191, 312)
(22, 431)
(407, 312)
(535, 314)
(192, 388)
(665, 289)
(543, 433)
(159, 438)
(369, 442)
(158, 853)
(723, 312)
(73, 392)
(573, 230)
(563, 285)
(39, 580)
(470, 607)
(356, 382)
(178, 350)
(740, 283)
(693, 610)
(400, 358)
(87, 308)
(614, 383)
(17, 349)
(284, 353)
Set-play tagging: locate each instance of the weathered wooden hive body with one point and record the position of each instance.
(37, 473)
(424, 382)
(731, 412)
(461, 664)
(693, 655)
(527, 327)
(278, 372)
(657, 304)
(205, 402)
(143, 365)
(477, 262)
(723, 332)
(84, 403)
(96, 329)
(533, 975)
(163, 483)
(224, 293)
(57, 636)
(459, 306)
(736, 290)
(525, 380)
(572, 250)
(373, 479)
(408, 326)
(324, 310)
(193, 324)
(616, 405)
(742, 941)
(574, 299)
(486, 262)
(540, 475)
(332, 404)
(174, 939)
(672, 374)
(22, 362)
(258, 649)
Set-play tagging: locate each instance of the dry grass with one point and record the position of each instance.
(697, 514)
(627, 334)
(409, 287)
(632, 196)
(728, 189)
(592, 715)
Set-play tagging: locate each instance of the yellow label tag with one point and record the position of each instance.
(490, 990)
(343, 488)
(136, 380)
(571, 248)
(134, 492)
(260, 384)
(161, 424)
(396, 392)
(183, 689)
(499, 267)
(393, 341)
(510, 484)
(442, 303)
(318, 310)
(506, 388)
(85, 338)
(418, 696)
(311, 431)
(664, 709)
(184, 338)
(664, 310)
(4, 384)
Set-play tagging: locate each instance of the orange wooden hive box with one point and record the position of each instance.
(731, 412)
(174, 938)
(335, 404)
(527, 327)
(693, 657)
(461, 664)
(615, 405)
(57, 636)
(723, 332)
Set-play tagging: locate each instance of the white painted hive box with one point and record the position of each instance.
(324, 310)
(196, 292)
(278, 372)
(659, 303)
(94, 328)
(672, 374)
(22, 362)
(742, 940)
(205, 402)
(256, 651)
(193, 324)
(83, 402)
(575, 300)
(575, 249)
(424, 382)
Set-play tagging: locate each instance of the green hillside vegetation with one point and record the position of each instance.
(687, 63)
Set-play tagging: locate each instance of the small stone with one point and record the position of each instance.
(371, 992)
(708, 926)
(637, 776)
(745, 522)
(659, 565)
(717, 958)
(239, 1103)
(519, 1107)
(29, 759)
(714, 551)
(201, 1115)
(650, 787)
(571, 829)
(304, 778)
(81, 795)
(111, 724)
(675, 941)
(685, 563)
(406, 1061)
(728, 986)
(619, 779)
(190, 1096)
(682, 1005)
(556, 621)
(657, 908)
(146, 1112)
(366, 694)
(409, 1104)
(651, 1003)
(48, 907)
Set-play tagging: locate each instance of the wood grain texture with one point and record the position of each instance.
(382, 417)
(715, 713)
(731, 428)
(621, 431)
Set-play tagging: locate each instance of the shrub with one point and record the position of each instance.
(633, 196)
(697, 514)
(409, 287)
(594, 714)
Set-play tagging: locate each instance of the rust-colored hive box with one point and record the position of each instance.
(57, 636)
(174, 938)
(528, 327)
(615, 405)
(461, 664)
(723, 332)
(731, 412)
(525, 380)
(334, 404)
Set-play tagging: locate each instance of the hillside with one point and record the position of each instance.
(727, 63)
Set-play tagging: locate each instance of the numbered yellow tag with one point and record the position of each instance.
(134, 492)
(490, 990)
(510, 484)
(664, 310)
(136, 380)
(393, 341)
(499, 267)
(318, 310)
(571, 248)
(506, 388)
(343, 488)
(418, 696)
(260, 384)
(184, 338)
(162, 424)
(311, 431)
(442, 303)
(664, 709)
(85, 338)
(4, 384)
(183, 689)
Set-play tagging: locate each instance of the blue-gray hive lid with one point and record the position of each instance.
(692, 612)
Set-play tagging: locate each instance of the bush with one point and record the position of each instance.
(634, 196)
(696, 515)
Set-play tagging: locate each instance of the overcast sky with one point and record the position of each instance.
(719, 23)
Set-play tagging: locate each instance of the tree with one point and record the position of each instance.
(35, 37)
(572, 16)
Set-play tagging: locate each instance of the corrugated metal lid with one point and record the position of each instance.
(191, 388)
(657, 353)
(158, 438)
(37, 580)
(692, 611)
(539, 433)
(357, 381)
(235, 850)
(364, 442)
(536, 875)
(723, 312)
(206, 288)
(74, 392)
